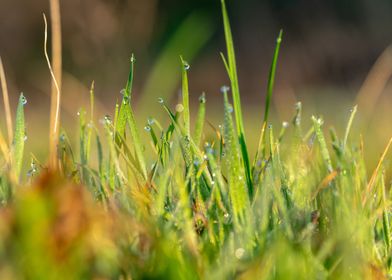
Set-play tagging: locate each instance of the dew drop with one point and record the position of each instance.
(224, 89)
(123, 91)
(107, 119)
(23, 99)
(147, 128)
(196, 162)
(186, 66)
(202, 99)
(230, 109)
(125, 100)
(160, 100)
(25, 138)
(270, 126)
(179, 108)
(285, 124)
(133, 59)
(62, 137)
(32, 170)
(150, 121)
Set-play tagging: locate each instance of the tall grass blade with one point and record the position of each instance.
(231, 62)
(270, 88)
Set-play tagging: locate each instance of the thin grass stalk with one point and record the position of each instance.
(55, 105)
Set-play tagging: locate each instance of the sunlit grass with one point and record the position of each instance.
(188, 204)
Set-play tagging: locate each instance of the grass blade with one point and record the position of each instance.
(200, 119)
(270, 88)
(19, 137)
(185, 96)
(123, 112)
(317, 123)
(348, 128)
(231, 65)
(238, 195)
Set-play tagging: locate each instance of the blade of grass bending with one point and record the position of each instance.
(6, 100)
(270, 88)
(19, 138)
(236, 95)
(201, 114)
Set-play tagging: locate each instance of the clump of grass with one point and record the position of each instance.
(196, 209)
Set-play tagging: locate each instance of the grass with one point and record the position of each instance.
(305, 208)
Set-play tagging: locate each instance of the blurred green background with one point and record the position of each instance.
(328, 50)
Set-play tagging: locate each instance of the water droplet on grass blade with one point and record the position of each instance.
(147, 128)
(150, 121)
(62, 137)
(160, 100)
(224, 89)
(107, 119)
(23, 99)
(202, 99)
(186, 66)
(179, 108)
(285, 124)
(122, 92)
(125, 100)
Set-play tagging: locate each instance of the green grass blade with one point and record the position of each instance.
(317, 123)
(137, 143)
(231, 64)
(237, 185)
(122, 118)
(200, 119)
(185, 96)
(270, 88)
(19, 137)
(271, 77)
